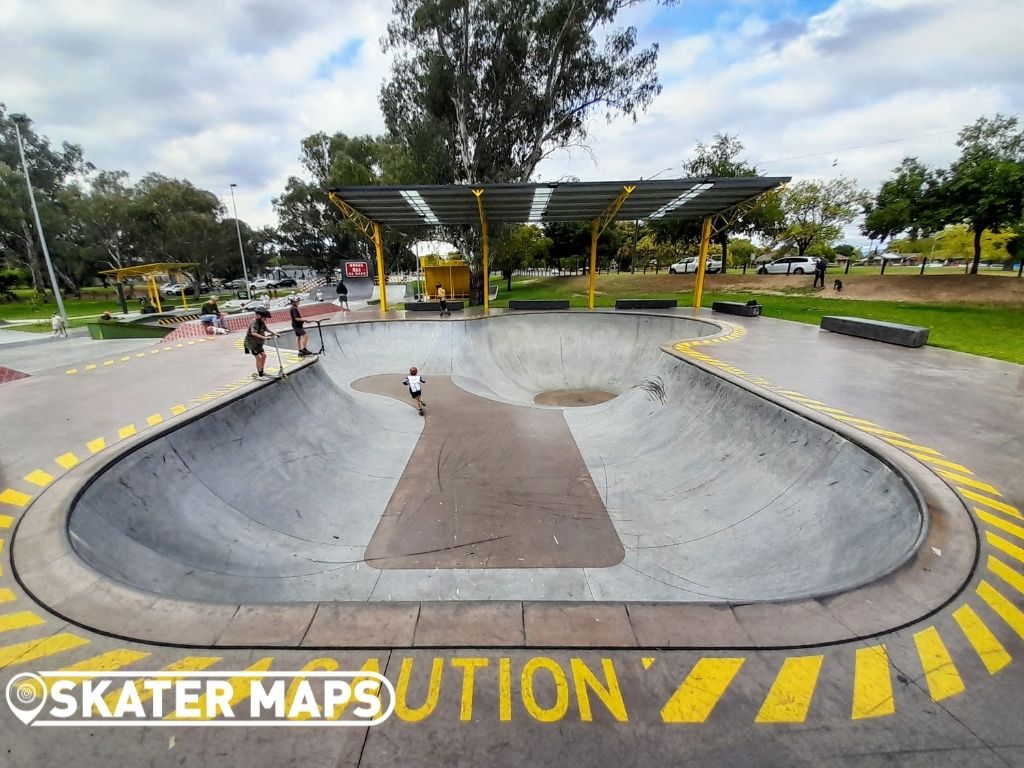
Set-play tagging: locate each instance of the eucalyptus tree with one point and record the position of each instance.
(483, 90)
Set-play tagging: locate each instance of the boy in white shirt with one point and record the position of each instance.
(415, 383)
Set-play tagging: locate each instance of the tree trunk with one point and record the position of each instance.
(476, 287)
(71, 285)
(121, 299)
(32, 260)
(977, 250)
(725, 254)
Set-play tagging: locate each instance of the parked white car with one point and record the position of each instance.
(790, 265)
(690, 265)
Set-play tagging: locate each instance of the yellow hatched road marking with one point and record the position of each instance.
(67, 460)
(127, 431)
(153, 420)
(14, 498)
(998, 522)
(1006, 573)
(91, 367)
(108, 362)
(22, 653)
(39, 477)
(872, 684)
(1007, 611)
(71, 370)
(939, 670)
(97, 445)
(914, 447)
(969, 481)
(140, 354)
(790, 696)
(695, 699)
(20, 620)
(7, 596)
(126, 358)
(791, 393)
(999, 506)
(988, 648)
(106, 662)
(855, 420)
(941, 463)
(187, 664)
(883, 432)
(1007, 547)
(239, 686)
(6, 521)
(179, 409)
(831, 411)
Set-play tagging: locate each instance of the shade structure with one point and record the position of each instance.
(537, 203)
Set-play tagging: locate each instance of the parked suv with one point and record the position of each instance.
(790, 265)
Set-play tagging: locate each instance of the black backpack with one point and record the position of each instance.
(342, 289)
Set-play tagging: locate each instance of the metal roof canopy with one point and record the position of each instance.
(537, 203)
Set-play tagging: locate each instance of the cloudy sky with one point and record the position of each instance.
(223, 92)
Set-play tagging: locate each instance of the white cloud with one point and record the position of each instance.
(220, 93)
(812, 96)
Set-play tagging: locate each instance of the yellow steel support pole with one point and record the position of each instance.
(381, 277)
(705, 243)
(154, 294)
(486, 249)
(594, 233)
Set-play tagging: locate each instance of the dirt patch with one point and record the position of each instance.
(999, 288)
(573, 398)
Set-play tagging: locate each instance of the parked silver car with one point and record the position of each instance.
(789, 265)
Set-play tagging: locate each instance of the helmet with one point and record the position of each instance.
(261, 312)
(294, 298)
(413, 370)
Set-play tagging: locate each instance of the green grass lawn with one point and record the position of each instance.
(94, 302)
(995, 331)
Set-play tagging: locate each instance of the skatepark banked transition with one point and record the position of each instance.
(681, 488)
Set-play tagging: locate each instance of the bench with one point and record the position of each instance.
(891, 333)
(646, 303)
(430, 306)
(749, 309)
(537, 304)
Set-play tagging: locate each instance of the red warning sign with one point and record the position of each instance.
(357, 269)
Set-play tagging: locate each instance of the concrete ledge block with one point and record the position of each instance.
(737, 308)
(877, 330)
(431, 306)
(646, 303)
(537, 304)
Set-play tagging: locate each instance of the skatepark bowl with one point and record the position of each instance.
(329, 486)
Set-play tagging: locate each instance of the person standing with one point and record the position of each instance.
(819, 272)
(415, 383)
(301, 339)
(442, 299)
(256, 336)
(58, 326)
(343, 294)
(210, 313)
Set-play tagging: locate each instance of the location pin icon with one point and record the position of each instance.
(26, 695)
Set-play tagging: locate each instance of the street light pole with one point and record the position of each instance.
(241, 251)
(39, 227)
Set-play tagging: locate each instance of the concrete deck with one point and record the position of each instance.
(936, 683)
